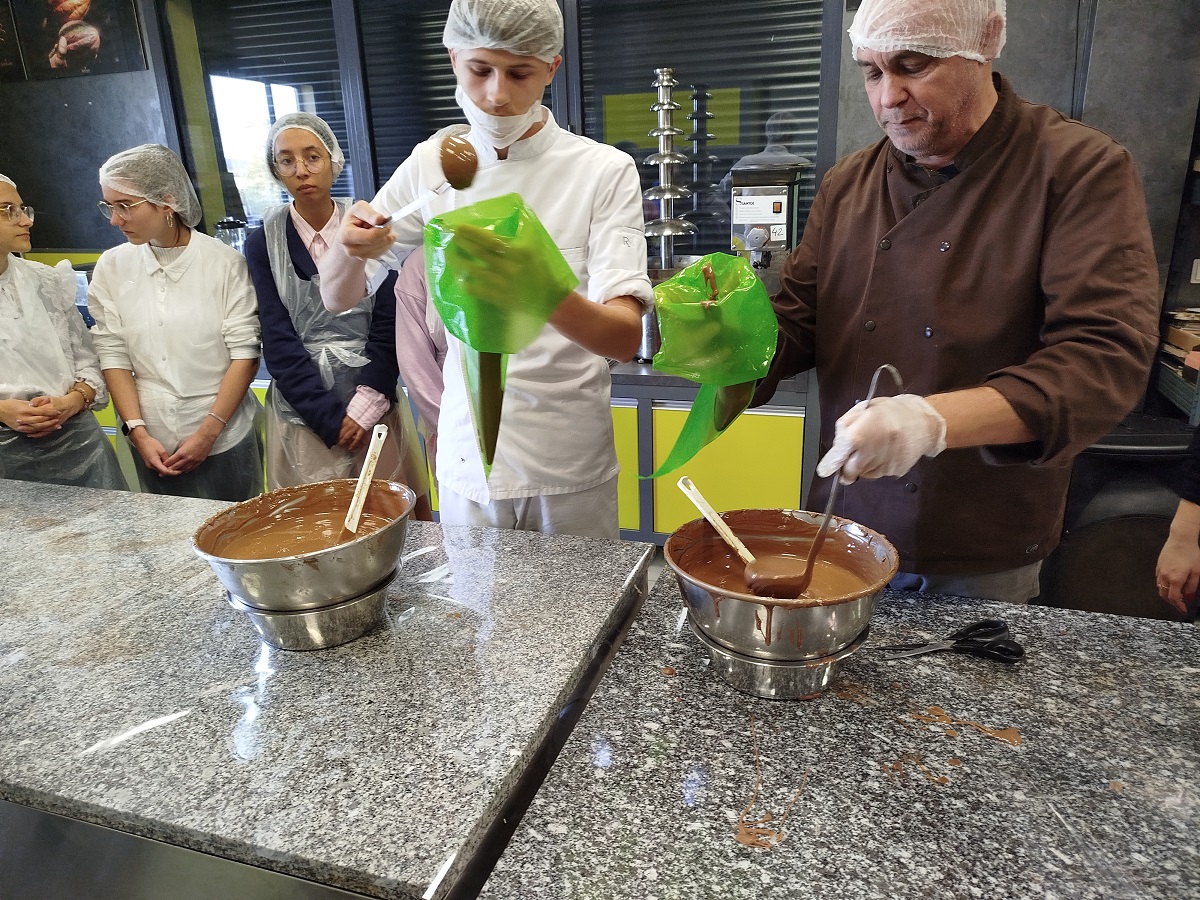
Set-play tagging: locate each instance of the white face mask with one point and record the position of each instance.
(500, 131)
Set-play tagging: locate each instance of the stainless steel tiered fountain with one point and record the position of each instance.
(702, 185)
(667, 227)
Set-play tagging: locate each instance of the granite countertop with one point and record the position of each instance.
(136, 698)
(869, 793)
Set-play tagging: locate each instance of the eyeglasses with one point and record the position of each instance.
(13, 212)
(313, 162)
(120, 209)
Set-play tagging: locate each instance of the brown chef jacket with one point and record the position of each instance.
(1031, 270)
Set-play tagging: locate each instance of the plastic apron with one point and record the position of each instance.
(336, 342)
(34, 363)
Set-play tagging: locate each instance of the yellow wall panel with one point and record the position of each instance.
(625, 430)
(628, 117)
(755, 464)
(107, 416)
(49, 258)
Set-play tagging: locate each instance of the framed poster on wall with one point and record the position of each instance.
(62, 38)
(11, 66)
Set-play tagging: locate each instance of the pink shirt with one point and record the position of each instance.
(420, 342)
(367, 406)
(316, 242)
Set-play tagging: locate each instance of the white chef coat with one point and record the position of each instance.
(556, 433)
(44, 342)
(177, 328)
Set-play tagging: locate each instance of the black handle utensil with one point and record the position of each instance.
(987, 638)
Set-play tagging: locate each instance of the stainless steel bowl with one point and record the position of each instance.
(763, 627)
(308, 580)
(797, 679)
(318, 629)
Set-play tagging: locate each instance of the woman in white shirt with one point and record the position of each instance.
(177, 333)
(49, 373)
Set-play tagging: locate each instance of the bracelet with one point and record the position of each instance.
(219, 419)
(82, 393)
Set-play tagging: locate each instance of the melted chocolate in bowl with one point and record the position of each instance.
(288, 550)
(840, 571)
(296, 534)
(831, 579)
(298, 520)
(851, 568)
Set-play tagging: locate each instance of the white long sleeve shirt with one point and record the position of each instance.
(177, 328)
(44, 346)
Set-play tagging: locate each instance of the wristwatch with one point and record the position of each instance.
(127, 427)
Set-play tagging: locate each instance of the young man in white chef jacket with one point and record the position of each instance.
(555, 467)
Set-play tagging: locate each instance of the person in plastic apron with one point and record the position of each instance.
(333, 375)
(49, 371)
(177, 334)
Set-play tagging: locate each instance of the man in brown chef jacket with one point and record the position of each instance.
(999, 255)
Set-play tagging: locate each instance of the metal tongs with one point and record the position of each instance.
(987, 638)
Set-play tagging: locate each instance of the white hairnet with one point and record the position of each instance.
(524, 27)
(156, 173)
(933, 27)
(783, 128)
(7, 180)
(319, 128)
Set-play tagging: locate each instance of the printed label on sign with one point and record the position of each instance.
(765, 209)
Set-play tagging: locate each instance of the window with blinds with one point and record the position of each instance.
(409, 82)
(261, 59)
(738, 64)
(273, 55)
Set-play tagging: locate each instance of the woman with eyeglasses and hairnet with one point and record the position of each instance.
(333, 376)
(177, 333)
(49, 372)
(555, 467)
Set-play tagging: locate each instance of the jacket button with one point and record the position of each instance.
(918, 201)
(870, 326)
(928, 332)
(911, 487)
(944, 246)
(885, 244)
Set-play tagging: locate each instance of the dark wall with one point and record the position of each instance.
(58, 133)
(1134, 63)
(1143, 85)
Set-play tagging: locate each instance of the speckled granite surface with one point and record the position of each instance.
(1101, 798)
(135, 697)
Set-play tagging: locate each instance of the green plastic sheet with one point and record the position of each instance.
(718, 329)
(495, 278)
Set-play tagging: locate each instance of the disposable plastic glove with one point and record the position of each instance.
(507, 274)
(886, 437)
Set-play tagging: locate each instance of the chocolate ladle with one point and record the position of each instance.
(776, 576)
(459, 165)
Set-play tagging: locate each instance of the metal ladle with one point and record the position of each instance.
(776, 576)
(459, 165)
